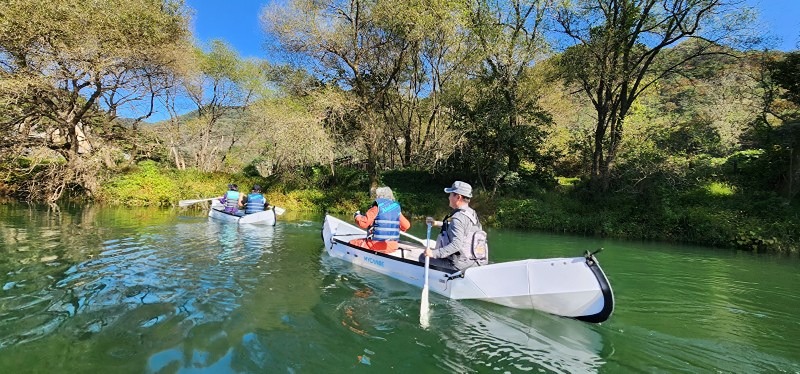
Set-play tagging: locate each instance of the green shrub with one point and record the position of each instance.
(718, 189)
(147, 184)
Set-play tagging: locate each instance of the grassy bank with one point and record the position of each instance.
(714, 214)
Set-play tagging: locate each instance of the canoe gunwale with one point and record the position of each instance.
(230, 217)
(392, 257)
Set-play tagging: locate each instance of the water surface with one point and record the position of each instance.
(89, 289)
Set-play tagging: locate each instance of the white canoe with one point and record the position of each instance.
(570, 287)
(266, 217)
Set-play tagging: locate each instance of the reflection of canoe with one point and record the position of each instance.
(217, 212)
(570, 287)
(506, 340)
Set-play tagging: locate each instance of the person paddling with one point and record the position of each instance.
(454, 245)
(385, 221)
(231, 199)
(254, 202)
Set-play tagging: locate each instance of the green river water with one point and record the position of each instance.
(88, 289)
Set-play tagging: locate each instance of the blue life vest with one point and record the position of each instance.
(255, 203)
(387, 224)
(232, 201)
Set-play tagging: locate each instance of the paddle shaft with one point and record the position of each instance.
(427, 259)
(425, 243)
(190, 202)
(424, 307)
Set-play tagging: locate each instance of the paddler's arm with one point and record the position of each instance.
(366, 220)
(432, 222)
(458, 227)
(405, 224)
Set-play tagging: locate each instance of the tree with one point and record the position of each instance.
(66, 66)
(439, 53)
(619, 54)
(503, 120)
(786, 73)
(222, 87)
(290, 134)
(345, 42)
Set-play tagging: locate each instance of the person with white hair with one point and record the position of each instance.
(384, 221)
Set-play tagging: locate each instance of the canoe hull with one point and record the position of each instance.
(571, 287)
(217, 212)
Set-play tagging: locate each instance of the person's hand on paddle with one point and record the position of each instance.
(428, 252)
(356, 214)
(432, 222)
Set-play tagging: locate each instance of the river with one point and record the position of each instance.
(90, 289)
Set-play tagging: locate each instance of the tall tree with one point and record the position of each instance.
(499, 105)
(66, 65)
(438, 53)
(222, 87)
(345, 42)
(620, 53)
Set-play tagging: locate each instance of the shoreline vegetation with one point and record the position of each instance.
(716, 215)
(657, 120)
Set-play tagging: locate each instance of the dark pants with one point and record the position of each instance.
(439, 262)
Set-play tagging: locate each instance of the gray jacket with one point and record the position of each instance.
(455, 241)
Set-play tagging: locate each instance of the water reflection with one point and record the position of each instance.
(513, 341)
(136, 287)
(88, 289)
(277, 291)
(463, 336)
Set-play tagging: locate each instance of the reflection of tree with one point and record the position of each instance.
(137, 285)
(272, 288)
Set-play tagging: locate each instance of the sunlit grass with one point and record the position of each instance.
(720, 189)
(567, 181)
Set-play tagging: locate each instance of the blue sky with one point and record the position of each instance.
(236, 22)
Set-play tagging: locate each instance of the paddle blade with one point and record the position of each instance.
(278, 210)
(424, 309)
(424, 305)
(185, 203)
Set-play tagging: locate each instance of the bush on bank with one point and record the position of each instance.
(740, 222)
(713, 214)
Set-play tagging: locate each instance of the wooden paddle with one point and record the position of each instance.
(185, 203)
(424, 308)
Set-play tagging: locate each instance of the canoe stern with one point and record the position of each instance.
(571, 287)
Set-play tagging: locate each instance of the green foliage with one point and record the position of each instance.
(691, 138)
(148, 184)
(567, 181)
(786, 73)
(725, 223)
(719, 189)
(420, 193)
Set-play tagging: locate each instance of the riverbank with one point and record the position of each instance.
(716, 215)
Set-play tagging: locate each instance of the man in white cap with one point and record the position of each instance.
(454, 244)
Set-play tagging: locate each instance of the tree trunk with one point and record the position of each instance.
(596, 182)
